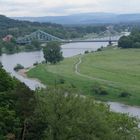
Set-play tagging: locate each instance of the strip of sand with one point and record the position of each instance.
(23, 73)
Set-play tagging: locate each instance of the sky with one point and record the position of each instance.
(20, 8)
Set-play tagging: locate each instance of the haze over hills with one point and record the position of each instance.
(86, 18)
(19, 28)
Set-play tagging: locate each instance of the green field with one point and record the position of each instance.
(116, 70)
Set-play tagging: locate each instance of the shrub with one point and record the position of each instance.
(18, 67)
(99, 90)
(86, 52)
(35, 64)
(125, 94)
(99, 49)
(61, 81)
(103, 92)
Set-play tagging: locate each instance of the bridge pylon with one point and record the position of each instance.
(38, 35)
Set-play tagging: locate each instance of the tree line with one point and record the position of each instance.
(11, 47)
(22, 28)
(58, 114)
(131, 41)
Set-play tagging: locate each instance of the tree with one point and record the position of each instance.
(1, 46)
(131, 41)
(125, 42)
(52, 52)
(1, 65)
(9, 123)
(17, 104)
(69, 116)
(0, 50)
(24, 105)
(6, 81)
(10, 47)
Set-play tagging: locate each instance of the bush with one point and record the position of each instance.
(103, 92)
(35, 64)
(18, 67)
(99, 49)
(86, 52)
(61, 81)
(125, 42)
(125, 94)
(99, 90)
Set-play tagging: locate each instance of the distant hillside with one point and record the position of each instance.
(20, 28)
(86, 18)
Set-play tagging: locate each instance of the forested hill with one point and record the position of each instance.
(20, 28)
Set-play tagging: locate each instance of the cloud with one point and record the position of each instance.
(65, 7)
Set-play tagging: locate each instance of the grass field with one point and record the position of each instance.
(116, 70)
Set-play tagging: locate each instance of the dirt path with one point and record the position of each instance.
(77, 72)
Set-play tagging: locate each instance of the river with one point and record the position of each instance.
(27, 59)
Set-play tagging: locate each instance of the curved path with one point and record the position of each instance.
(110, 83)
(77, 72)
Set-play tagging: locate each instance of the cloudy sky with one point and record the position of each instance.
(66, 7)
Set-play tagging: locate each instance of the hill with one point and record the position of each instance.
(86, 18)
(20, 28)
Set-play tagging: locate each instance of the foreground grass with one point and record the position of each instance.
(116, 70)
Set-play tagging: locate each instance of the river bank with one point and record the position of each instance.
(23, 73)
(114, 106)
(110, 70)
(27, 59)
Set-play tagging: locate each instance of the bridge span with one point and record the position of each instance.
(44, 37)
(95, 40)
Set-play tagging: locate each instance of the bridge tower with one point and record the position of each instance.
(110, 41)
(110, 28)
(38, 35)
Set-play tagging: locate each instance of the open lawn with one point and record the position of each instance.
(115, 70)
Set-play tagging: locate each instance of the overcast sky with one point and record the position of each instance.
(66, 7)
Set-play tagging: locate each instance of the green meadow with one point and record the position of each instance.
(114, 70)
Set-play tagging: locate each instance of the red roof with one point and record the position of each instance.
(7, 38)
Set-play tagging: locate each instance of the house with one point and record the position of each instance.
(7, 38)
